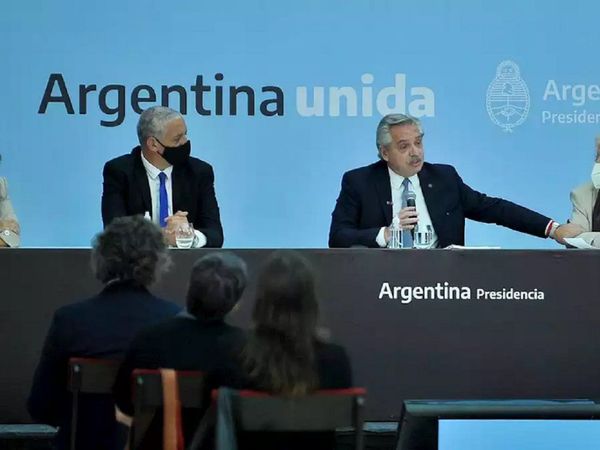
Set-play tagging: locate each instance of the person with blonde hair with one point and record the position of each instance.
(9, 225)
(586, 205)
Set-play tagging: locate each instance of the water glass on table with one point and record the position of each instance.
(184, 235)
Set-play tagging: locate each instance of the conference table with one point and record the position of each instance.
(444, 324)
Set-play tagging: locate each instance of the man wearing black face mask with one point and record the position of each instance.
(159, 179)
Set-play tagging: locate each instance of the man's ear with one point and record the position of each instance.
(152, 144)
(383, 151)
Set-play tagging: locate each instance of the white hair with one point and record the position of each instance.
(153, 121)
(384, 138)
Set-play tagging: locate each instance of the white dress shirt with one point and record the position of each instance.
(154, 182)
(397, 190)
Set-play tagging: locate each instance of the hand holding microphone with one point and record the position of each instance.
(408, 216)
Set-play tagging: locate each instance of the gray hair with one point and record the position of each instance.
(217, 282)
(153, 120)
(130, 248)
(384, 138)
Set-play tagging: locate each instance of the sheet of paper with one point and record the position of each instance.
(579, 243)
(462, 247)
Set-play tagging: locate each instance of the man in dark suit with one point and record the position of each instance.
(372, 197)
(160, 180)
(127, 257)
(199, 339)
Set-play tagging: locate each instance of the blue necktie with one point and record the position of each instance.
(163, 203)
(407, 237)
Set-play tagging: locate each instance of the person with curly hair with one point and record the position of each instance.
(127, 257)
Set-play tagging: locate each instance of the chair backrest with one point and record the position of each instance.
(325, 410)
(148, 398)
(89, 376)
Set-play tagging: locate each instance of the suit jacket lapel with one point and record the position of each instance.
(180, 186)
(384, 190)
(141, 180)
(595, 210)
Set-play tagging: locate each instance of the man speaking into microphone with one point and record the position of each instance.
(401, 184)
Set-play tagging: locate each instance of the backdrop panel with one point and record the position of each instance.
(320, 75)
(452, 330)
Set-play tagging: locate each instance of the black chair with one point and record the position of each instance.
(148, 398)
(89, 376)
(325, 410)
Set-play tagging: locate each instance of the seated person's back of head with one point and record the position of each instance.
(198, 340)
(127, 257)
(284, 354)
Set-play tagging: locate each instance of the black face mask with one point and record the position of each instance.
(177, 155)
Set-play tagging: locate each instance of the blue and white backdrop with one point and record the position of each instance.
(508, 93)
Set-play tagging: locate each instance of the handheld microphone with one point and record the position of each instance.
(411, 201)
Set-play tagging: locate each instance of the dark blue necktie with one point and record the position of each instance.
(407, 238)
(163, 200)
